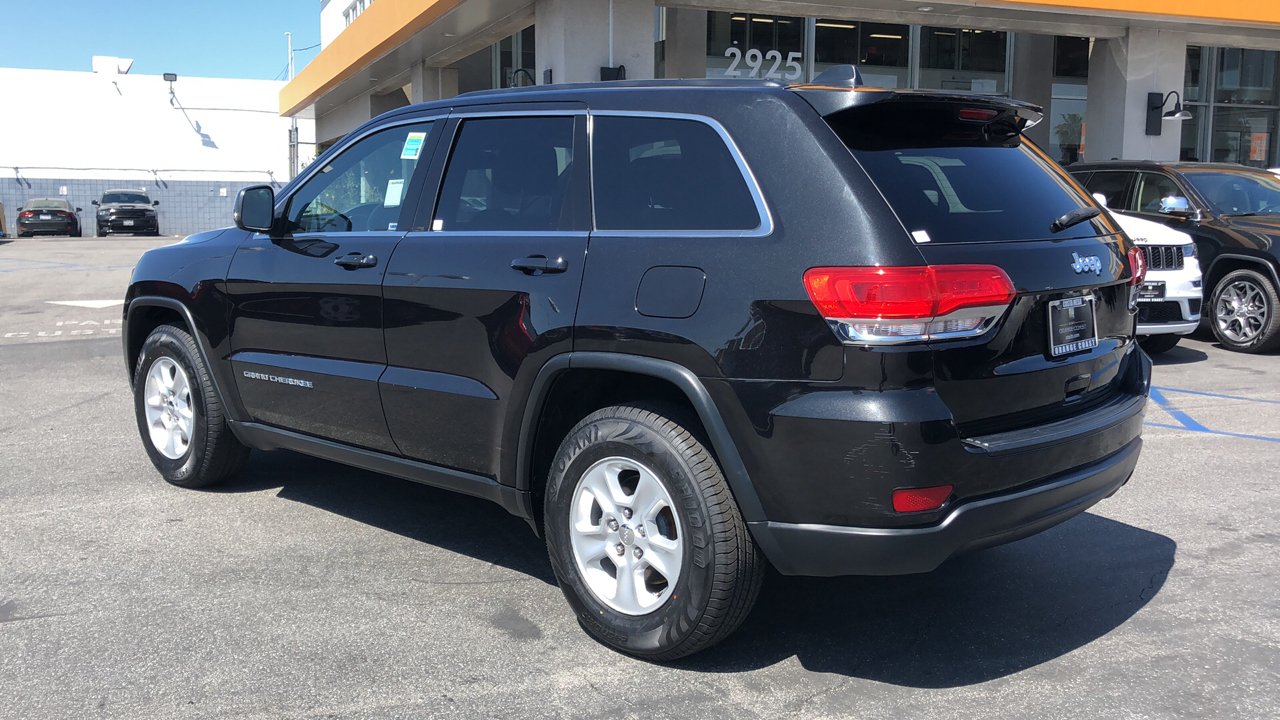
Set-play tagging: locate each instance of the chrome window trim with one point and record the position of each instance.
(500, 233)
(763, 229)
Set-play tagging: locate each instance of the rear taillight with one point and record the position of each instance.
(887, 305)
(25, 214)
(1137, 265)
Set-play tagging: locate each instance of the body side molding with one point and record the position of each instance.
(265, 437)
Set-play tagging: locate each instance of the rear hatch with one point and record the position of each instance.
(970, 189)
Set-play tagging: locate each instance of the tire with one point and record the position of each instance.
(211, 452)
(1156, 344)
(1245, 312)
(699, 536)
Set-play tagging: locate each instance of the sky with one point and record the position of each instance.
(198, 38)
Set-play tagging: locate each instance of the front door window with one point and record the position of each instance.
(361, 189)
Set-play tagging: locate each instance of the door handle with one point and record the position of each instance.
(539, 265)
(356, 260)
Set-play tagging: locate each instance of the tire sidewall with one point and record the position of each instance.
(671, 623)
(165, 344)
(1268, 294)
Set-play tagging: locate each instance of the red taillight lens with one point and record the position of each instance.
(978, 114)
(25, 214)
(909, 500)
(1137, 265)
(899, 304)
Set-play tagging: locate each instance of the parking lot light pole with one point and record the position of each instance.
(293, 125)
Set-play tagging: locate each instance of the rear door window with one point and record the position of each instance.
(1112, 185)
(952, 181)
(509, 174)
(667, 174)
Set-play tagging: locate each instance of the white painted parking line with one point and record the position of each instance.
(93, 304)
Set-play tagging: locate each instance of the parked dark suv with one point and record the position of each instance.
(1233, 214)
(681, 328)
(127, 211)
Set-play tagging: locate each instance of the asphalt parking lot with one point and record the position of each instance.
(307, 589)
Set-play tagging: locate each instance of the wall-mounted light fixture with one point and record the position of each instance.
(171, 78)
(1155, 111)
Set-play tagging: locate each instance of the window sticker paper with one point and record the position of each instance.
(395, 188)
(413, 143)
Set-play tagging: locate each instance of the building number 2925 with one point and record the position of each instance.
(755, 60)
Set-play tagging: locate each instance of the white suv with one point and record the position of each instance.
(1171, 295)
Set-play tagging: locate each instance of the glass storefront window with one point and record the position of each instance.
(1066, 121)
(1244, 135)
(1189, 150)
(1071, 57)
(1246, 77)
(744, 45)
(880, 50)
(963, 59)
(1195, 71)
(1233, 96)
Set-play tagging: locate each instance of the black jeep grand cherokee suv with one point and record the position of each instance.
(681, 328)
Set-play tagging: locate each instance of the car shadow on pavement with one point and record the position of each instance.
(1179, 355)
(449, 520)
(977, 618)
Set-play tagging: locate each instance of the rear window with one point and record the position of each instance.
(954, 181)
(47, 205)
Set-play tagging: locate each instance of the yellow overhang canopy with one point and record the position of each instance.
(1263, 12)
(381, 28)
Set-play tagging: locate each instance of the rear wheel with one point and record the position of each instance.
(1245, 312)
(645, 538)
(180, 415)
(1156, 344)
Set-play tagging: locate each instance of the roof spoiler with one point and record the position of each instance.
(840, 87)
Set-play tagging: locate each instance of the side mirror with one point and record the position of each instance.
(154, 203)
(93, 202)
(1102, 199)
(255, 208)
(79, 209)
(1176, 206)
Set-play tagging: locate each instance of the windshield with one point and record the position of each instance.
(951, 181)
(126, 197)
(47, 204)
(1233, 192)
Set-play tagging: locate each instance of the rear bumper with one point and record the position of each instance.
(826, 550)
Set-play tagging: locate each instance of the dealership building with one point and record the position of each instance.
(190, 143)
(1107, 72)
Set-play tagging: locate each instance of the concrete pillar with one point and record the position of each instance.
(432, 83)
(686, 45)
(1033, 79)
(1121, 73)
(574, 38)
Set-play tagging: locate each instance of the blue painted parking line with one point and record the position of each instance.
(1190, 423)
(1218, 395)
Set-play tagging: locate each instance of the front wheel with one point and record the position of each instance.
(1245, 312)
(644, 536)
(179, 413)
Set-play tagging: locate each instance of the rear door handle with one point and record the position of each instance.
(356, 260)
(539, 265)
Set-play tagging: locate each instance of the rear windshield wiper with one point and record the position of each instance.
(1075, 217)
